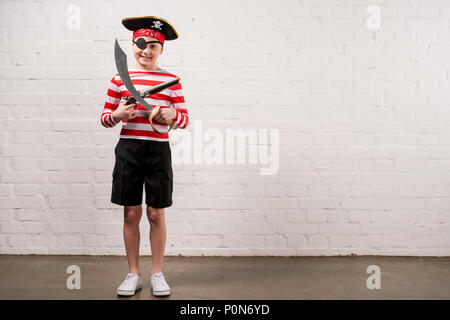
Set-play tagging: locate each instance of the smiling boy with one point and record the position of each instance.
(143, 156)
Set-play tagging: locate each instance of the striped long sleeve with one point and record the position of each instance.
(177, 101)
(139, 127)
(111, 104)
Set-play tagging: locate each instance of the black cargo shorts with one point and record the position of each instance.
(141, 162)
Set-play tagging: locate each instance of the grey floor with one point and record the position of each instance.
(44, 277)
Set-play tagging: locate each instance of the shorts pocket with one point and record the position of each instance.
(118, 183)
(169, 174)
(159, 188)
(169, 179)
(114, 170)
(165, 182)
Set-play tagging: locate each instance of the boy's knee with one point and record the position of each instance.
(132, 214)
(155, 215)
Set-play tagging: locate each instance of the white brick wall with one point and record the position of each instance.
(363, 118)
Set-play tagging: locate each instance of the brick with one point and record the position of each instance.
(21, 202)
(297, 228)
(336, 228)
(213, 228)
(21, 100)
(5, 189)
(25, 164)
(52, 165)
(27, 189)
(72, 202)
(27, 138)
(77, 227)
(24, 151)
(275, 241)
(252, 241)
(20, 240)
(53, 138)
(436, 204)
(320, 203)
(180, 228)
(297, 191)
(232, 190)
(23, 227)
(282, 203)
(63, 177)
(108, 228)
(317, 241)
(362, 203)
(72, 151)
(339, 241)
(255, 228)
(30, 215)
(33, 125)
(23, 73)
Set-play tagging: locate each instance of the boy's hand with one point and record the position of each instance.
(165, 115)
(124, 112)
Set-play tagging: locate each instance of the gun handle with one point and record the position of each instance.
(129, 100)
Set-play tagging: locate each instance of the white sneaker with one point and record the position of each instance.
(159, 285)
(130, 285)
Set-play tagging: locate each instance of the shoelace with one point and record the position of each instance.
(130, 277)
(159, 278)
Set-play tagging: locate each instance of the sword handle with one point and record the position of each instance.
(171, 124)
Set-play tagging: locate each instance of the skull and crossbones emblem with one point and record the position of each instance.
(157, 25)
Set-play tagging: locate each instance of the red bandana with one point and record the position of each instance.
(149, 33)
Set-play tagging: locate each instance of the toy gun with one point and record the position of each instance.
(152, 90)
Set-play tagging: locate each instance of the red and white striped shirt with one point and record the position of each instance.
(139, 127)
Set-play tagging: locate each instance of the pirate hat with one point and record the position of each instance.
(153, 23)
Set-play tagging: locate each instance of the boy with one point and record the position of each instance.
(142, 155)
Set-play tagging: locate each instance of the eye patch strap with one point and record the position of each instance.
(141, 45)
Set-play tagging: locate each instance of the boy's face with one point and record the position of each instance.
(147, 58)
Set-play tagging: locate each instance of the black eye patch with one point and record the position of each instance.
(142, 44)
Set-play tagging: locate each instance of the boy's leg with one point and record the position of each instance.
(131, 235)
(156, 217)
